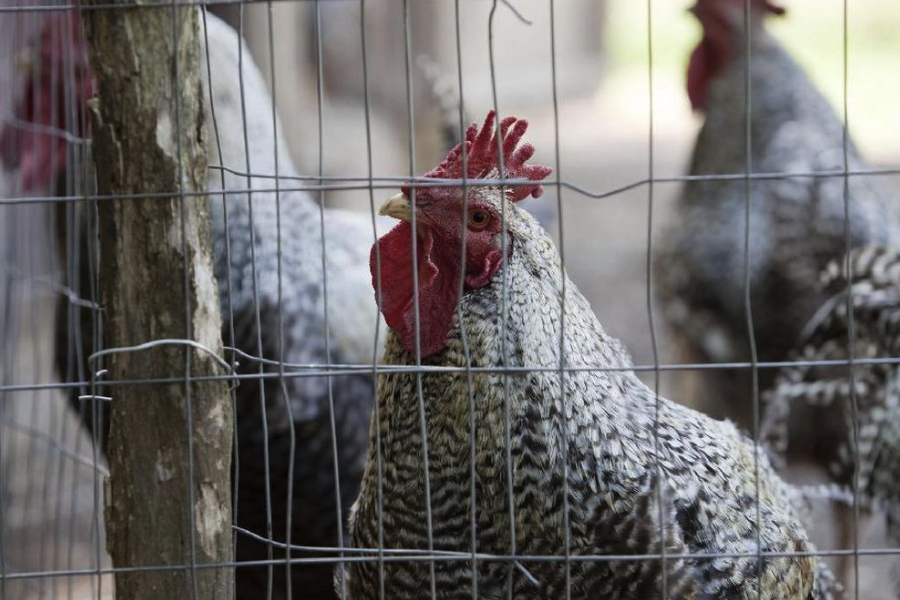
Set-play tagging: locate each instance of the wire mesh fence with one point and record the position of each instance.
(448, 405)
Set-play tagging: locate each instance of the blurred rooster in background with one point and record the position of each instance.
(49, 111)
(273, 298)
(797, 223)
(824, 394)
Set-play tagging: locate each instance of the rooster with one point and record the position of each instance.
(249, 288)
(586, 462)
(796, 223)
(807, 392)
(47, 119)
(263, 323)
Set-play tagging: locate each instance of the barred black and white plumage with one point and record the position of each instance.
(797, 222)
(826, 394)
(596, 431)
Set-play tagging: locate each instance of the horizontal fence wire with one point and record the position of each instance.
(339, 370)
(390, 183)
(39, 8)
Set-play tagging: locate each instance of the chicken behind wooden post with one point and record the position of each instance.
(253, 260)
(250, 267)
(626, 459)
(796, 222)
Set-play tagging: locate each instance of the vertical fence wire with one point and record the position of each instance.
(6, 306)
(851, 319)
(463, 333)
(188, 334)
(748, 303)
(40, 270)
(263, 414)
(61, 267)
(16, 281)
(651, 188)
(567, 526)
(292, 437)
(341, 583)
(92, 227)
(228, 311)
(504, 301)
(379, 294)
(5, 345)
(417, 307)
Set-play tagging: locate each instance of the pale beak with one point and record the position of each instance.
(397, 207)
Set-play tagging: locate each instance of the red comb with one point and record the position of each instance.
(772, 8)
(482, 158)
(760, 5)
(55, 95)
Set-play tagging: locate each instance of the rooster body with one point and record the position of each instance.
(797, 223)
(638, 481)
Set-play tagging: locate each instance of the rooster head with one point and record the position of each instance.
(723, 26)
(51, 109)
(445, 219)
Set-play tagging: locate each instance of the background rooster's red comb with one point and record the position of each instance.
(482, 157)
(760, 5)
(771, 7)
(56, 89)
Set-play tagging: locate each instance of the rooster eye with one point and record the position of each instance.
(478, 220)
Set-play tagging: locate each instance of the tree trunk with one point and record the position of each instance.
(156, 282)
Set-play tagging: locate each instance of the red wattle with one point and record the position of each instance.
(489, 268)
(437, 293)
(698, 76)
(41, 155)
